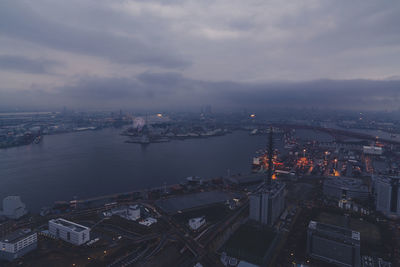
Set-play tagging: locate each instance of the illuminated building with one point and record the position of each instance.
(268, 202)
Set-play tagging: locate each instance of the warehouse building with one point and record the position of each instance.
(345, 188)
(333, 244)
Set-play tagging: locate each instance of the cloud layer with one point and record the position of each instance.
(178, 53)
(171, 91)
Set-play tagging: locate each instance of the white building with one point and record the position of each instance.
(372, 150)
(13, 207)
(196, 223)
(131, 212)
(17, 244)
(148, 221)
(69, 231)
(387, 195)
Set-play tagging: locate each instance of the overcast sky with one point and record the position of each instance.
(171, 54)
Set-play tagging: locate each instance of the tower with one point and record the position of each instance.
(270, 154)
(267, 202)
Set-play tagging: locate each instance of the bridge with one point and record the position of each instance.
(335, 132)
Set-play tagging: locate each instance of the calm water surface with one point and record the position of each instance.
(86, 164)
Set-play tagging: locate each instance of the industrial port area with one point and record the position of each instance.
(315, 196)
(222, 133)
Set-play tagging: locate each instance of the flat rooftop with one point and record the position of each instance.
(346, 183)
(71, 225)
(174, 204)
(16, 236)
(386, 178)
(274, 188)
(322, 227)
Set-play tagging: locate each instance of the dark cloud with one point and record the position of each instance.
(103, 89)
(178, 53)
(165, 79)
(28, 65)
(341, 94)
(18, 20)
(173, 91)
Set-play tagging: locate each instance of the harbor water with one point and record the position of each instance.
(93, 163)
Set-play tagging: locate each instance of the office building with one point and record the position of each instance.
(345, 188)
(333, 244)
(69, 231)
(13, 207)
(387, 195)
(17, 244)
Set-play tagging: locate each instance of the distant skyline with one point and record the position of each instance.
(177, 54)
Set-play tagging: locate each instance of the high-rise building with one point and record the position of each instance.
(267, 204)
(333, 244)
(206, 109)
(387, 195)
